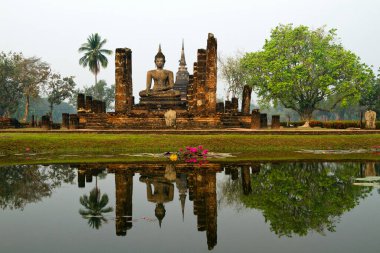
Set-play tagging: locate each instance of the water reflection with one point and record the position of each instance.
(24, 184)
(297, 198)
(160, 181)
(294, 198)
(95, 206)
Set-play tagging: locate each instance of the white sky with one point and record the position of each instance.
(54, 29)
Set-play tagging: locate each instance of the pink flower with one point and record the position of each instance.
(27, 149)
(194, 150)
(204, 152)
(200, 147)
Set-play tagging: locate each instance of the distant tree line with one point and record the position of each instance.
(24, 80)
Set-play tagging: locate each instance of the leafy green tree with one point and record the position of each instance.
(370, 98)
(95, 206)
(100, 91)
(58, 89)
(300, 68)
(94, 54)
(32, 74)
(10, 89)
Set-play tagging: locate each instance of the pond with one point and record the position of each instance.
(167, 207)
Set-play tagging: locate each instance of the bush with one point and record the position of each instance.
(339, 124)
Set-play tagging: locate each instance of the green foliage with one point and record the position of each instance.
(32, 74)
(297, 198)
(100, 91)
(94, 54)
(59, 89)
(10, 88)
(20, 77)
(370, 98)
(301, 68)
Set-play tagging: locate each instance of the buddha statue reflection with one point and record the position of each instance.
(163, 80)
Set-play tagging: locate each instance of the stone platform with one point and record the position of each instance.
(142, 118)
(161, 103)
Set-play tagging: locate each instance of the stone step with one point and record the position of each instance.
(230, 121)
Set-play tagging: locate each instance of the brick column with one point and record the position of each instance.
(220, 107)
(246, 102)
(45, 122)
(235, 104)
(88, 103)
(201, 82)
(123, 80)
(94, 106)
(255, 119)
(190, 93)
(104, 106)
(228, 106)
(263, 120)
(275, 122)
(192, 107)
(33, 122)
(211, 74)
(65, 120)
(74, 121)
(80, 102)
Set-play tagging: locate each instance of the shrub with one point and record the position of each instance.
(337, 124)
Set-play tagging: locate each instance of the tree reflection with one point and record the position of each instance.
(297, 198)
(95, 205)
(24, 184)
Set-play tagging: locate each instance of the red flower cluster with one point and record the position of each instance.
(192, 155)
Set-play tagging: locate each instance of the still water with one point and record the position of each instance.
(251, 207)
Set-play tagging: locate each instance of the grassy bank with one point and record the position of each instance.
(32, 147)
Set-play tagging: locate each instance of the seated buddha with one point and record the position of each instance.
(163, 80)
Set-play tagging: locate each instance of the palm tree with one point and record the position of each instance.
(94, 55)
(95, 205)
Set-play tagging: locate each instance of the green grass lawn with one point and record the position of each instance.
(82, 147)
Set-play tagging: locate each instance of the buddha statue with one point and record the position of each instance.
(163, 80)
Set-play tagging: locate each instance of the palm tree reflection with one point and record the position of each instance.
(95, 206)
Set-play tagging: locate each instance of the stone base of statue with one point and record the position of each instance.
(161, 99)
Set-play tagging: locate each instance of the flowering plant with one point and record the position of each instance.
(376, 150)
(189, 155)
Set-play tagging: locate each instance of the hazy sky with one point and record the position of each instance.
(54, 29)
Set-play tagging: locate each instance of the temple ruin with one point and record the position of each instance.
(192, 97)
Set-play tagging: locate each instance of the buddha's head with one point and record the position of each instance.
(159, 59)
(160, 212)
